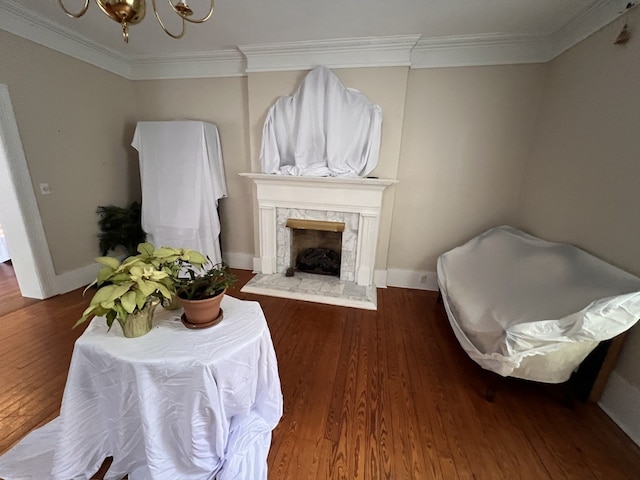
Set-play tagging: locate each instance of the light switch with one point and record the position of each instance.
(44, 189)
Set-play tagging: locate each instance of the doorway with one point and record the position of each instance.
(19, 213)
(5, 256)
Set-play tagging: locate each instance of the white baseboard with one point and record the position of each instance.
(243, 261)
(621, 401)
(67, 281)
(380, 278)
(257, 265)
(419, 280)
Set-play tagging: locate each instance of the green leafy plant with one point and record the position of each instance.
(126, 287)
(203, 282)
(120, 227)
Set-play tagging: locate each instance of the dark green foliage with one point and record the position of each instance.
(120, 226)
(204, 283)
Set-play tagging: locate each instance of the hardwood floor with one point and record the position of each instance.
(368, 395)
(9, 291)
(35, 351)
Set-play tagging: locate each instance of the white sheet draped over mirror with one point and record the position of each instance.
(323, 129)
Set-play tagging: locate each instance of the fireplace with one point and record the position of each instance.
(316, 247)
(346, 222)
(354, 202)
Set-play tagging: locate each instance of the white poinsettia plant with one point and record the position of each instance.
(128, 286)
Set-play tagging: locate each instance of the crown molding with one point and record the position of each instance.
(474, 50)
(502, 49)
(401, 50)
(219, 63)
(336, 53)
(16, 19)
(600, 14)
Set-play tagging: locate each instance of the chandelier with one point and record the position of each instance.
(131, 12)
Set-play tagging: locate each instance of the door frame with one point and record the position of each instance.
(19, 213)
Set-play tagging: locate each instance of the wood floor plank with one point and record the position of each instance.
(430, 412)
(11, 298)
(368, 395)
(334, 413)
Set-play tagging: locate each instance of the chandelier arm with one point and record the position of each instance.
(193, 20)
(172, 35)
(125, 32)
(75, 15)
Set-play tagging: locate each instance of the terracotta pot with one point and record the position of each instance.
(139, 322)
(202, 311)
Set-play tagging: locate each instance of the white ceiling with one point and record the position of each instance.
(258, 22)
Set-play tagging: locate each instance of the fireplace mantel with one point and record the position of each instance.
(340, 194)
(334, 194)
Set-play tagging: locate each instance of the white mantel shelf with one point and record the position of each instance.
(340, 194)
(293, 179)
(333, 194)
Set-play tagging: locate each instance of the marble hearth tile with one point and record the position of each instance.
(311, 284)
(332, 288)
(289, 283)
(281, 215)
(261, 279)
(331, 291)
(315, 215)
(335, 216)
(347, 277)
(283, 236)
(296, 213)
(349, 241)
(348, 261)
(283, 254)
(354, 290)
(351, 220)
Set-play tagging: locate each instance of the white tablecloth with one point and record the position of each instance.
(172, 404)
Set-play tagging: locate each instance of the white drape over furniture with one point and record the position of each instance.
(182, 175)
(524, 307)
(323, 129)
(174, 404)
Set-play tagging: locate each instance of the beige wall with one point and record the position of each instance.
(466, 137)
(75, 122)
(583, 180)
(222, 101)
(383, 86)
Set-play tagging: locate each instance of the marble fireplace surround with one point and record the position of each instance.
(357, 201)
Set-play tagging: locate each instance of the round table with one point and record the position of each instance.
(176, 403)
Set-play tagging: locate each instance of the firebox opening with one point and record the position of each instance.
(316, 247)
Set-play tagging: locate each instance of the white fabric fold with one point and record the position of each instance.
(323, 129)
(172, 404)
(182, 175)
(511, 297)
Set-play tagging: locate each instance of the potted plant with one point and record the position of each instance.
(172, 261)
(129, 291)
(201, 292)
(120, 227)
